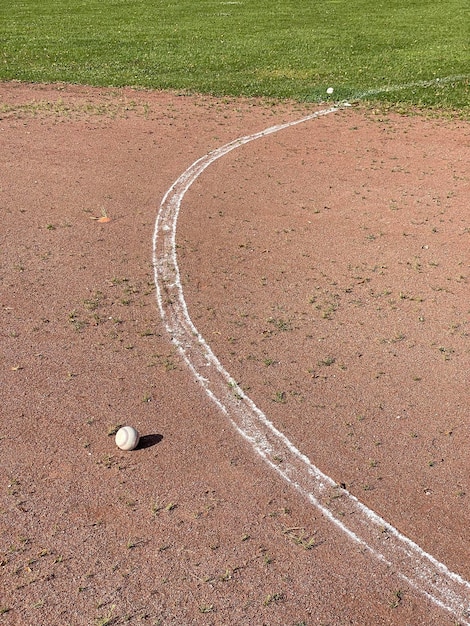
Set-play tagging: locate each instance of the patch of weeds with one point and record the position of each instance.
(297, 394)
(446, 352)
(148, 332)
(280, 324)
(166, 361)
(237, 392)
(112, 430)
(4, 610)
(150, 288)
(326, 308)
(280, 397)
(279, 512)
(395, 339)
(169, 364)
(163, 549)
(206, 608)
(93, 303)
(312, 373)
(441, 289)
(13, 487)
(329, 360)
(453, 328)
(397, 599)
(328, 311)
(158, 507)
(107, 619)
(298, 536)
(129, 502)
(129, 289)
(273, 598)
(77, 323)
(107, 461)
(228, 574)
(415, 264)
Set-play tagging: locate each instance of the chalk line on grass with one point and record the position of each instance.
(421, 84)
(372, 533)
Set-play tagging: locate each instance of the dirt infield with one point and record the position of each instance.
(327, 266)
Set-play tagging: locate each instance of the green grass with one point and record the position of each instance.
(273, 48)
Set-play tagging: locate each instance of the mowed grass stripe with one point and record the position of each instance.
(274, 48)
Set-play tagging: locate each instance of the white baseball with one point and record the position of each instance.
(330, 90)
(127, 438)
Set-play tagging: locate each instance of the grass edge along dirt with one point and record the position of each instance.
(270, 48)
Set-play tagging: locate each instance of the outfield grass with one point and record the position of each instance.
(274, 48)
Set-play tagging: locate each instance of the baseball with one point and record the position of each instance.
(330, 90)
(127, 438)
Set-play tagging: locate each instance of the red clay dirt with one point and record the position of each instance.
(327, 266)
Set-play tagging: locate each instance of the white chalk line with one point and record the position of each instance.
(421, 84)
(368, 530)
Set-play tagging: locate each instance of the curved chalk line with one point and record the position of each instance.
(421, 84)
(371, 532)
